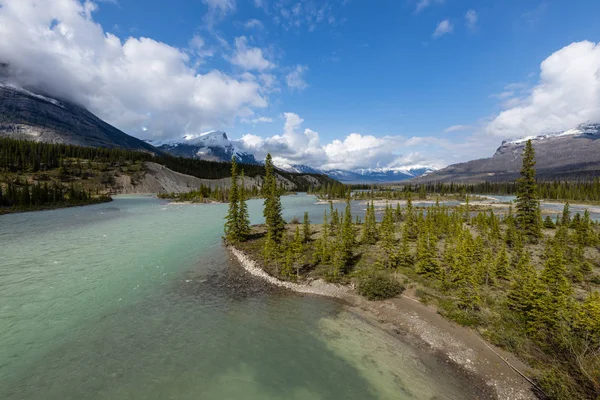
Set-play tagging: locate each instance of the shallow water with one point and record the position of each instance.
(137, 299)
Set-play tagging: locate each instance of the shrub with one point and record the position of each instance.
(379, 286)
(295, 221)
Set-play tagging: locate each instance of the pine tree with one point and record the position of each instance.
(427, 264)
(232, 219)
(388, 237)
(243, 223)
(528, 206)
(297, 250)
(306, 228)
(502, 264)
(348, 236)
(548, 223)
(558, 287)
(272, 206)
(369, 235)
(404, 257)
(526, 292)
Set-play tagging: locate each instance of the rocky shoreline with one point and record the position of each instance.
(489, 367)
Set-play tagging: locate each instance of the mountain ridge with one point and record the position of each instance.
(33, 116)
(570, 154)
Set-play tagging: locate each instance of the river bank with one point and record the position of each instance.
(410, 320)
(46, 207)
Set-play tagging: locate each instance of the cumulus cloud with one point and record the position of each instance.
(303, 146)
(295, 79)
(471, 19)
(250, 58)
(443, 28)
(58, 48)
(567, 94)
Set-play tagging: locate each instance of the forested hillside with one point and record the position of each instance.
(35, 175)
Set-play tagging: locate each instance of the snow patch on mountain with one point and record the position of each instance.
(29, 93)
(211, 146)
(582, 129)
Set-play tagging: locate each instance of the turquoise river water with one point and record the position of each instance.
(137, 299)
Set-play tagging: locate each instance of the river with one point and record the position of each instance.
(137, 299)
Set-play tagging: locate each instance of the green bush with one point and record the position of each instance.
(379, 286)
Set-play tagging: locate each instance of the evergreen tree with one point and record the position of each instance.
(348, 236)
(548, 223)
(502, 264)
(243, 224)
(404, 257)
(369, 235)
(306, 228)
(388, 237)
(232, 232)
(272, 206)
(528, 206)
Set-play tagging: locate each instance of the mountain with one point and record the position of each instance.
(570, 154)
(363, 175)
(35, 116)
(209, 146)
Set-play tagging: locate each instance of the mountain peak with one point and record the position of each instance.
(588, 128)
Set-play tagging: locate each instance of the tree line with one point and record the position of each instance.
(29, 156)
(580, 190)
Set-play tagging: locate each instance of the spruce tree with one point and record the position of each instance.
(502, 264)
(243, 223)
(306, 228)
(232, 219)
(348, 236)
(528, 205)
(369, 235)
(272, 206)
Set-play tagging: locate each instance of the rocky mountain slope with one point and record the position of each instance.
(570, 154)
(33, 116)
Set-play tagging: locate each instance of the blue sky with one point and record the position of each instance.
(416, 81)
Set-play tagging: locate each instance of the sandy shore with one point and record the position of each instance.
(422, 325)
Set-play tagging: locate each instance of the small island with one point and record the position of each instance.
(523, 283)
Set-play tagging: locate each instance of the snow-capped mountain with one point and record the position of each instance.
(209, 146)
(587, 129)
(363, 175)
(216, 146)
(570, 154)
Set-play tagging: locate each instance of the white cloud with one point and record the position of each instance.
(443, 28)
(457, 128)
(303, 146)
(262, 120)
(250, 58)
(254, 23)
(307, 14)
(568, 93)
(295, 79)
(218, 9)
(423, 4)
(471, 19)
(56, 47)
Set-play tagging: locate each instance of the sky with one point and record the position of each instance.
(329, 83)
